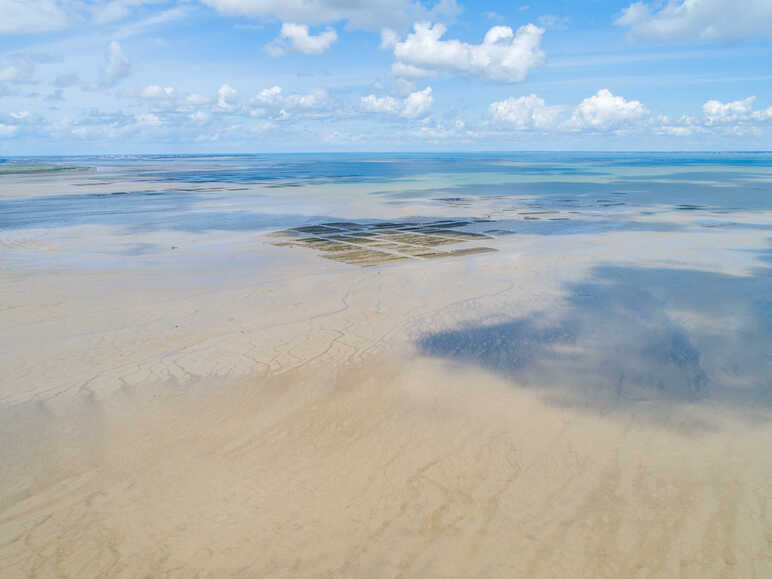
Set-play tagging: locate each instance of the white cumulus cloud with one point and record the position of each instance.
(681, 19)
(226, 97)
(526, 112)
(604, 111)
(270, 96)
(156, 92)
(504, 55)
(718, 113)
(275, 98)
(297, 37)
(279, 106)
(416, 104)
(375, 104)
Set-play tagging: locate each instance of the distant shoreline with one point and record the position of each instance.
(33, 169)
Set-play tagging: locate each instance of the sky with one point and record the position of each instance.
(254, 76)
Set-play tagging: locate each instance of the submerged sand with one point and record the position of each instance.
(462, 417)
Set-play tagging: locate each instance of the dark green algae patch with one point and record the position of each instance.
(370, 244)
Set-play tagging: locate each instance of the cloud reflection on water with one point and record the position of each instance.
(631, 335)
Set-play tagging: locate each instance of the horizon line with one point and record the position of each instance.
(445, 152)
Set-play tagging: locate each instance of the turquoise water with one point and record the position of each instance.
(719, 182)
(694, 325)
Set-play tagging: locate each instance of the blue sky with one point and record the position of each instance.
(153, 76)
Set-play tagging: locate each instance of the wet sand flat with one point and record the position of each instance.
(202, 401)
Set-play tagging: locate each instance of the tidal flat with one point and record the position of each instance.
(525, 365)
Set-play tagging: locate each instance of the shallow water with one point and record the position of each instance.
(306, 365)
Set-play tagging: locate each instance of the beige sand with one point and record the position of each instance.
(281, 422)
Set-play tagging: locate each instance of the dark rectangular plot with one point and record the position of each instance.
(316, 229)
(471, 251)
(343, 225)
(389, 225)
(445, 224)
(334, 246)
(417, 239)
(354, 238)
(434, 254)
(364, 257)
(461, 234)
(312, 241)
(322, 244)
(412, 250)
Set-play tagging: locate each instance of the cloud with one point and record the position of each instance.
(20, 115)
(144, 25)
(372, 14)
(503, 55)
(718, 113)
(9, 73)
(601, 112)
(7, 130)
(416, 104)
(115, 10)
(27, 16)
(279, 104)
(402, 70)
(686, 126)
(155, 92)
(226, 97)
(196, 99)
(116, 68)
(526, 112)
(735, 118)
(389, 39)
(20, 68)
(710, 19)
(604, 111)
(33, 16)
(297, 37)
(270, 96)
(442, 132)
(149, 119)
(376, 104)
(117, 65)
(312, 100)
(200, 117)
